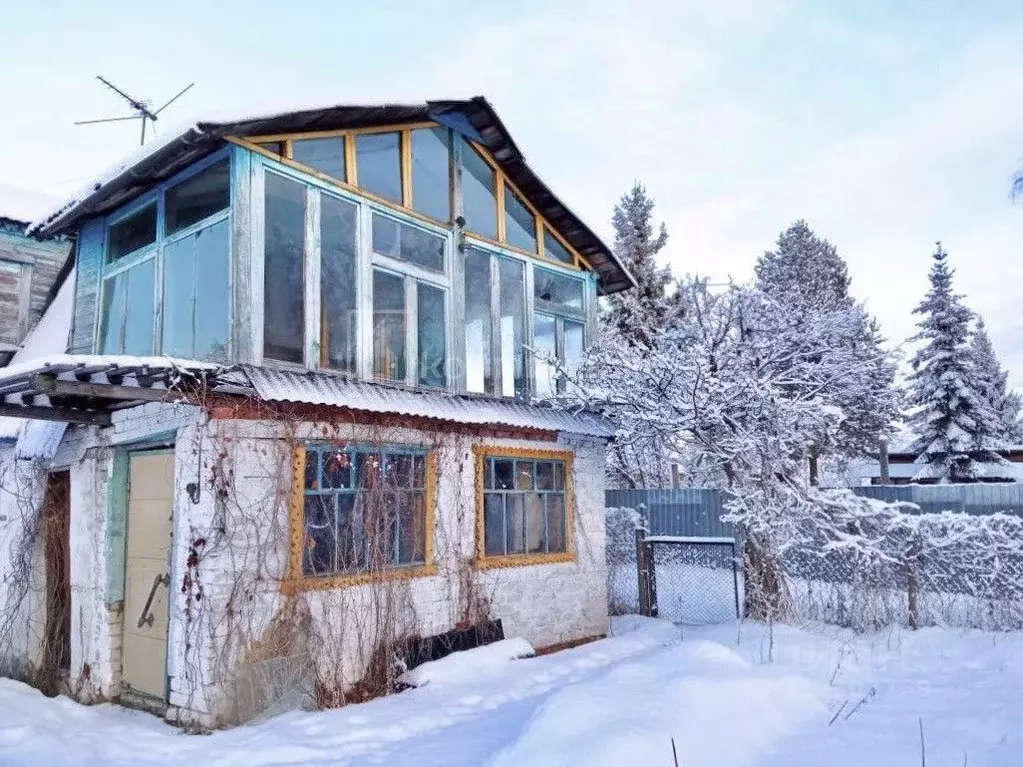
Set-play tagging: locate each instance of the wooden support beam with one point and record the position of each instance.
(65, 415)
(50, 384)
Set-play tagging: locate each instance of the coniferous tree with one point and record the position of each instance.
(992, 384)
(640, 312)
(958, 434)
(635, 318)
(809, 279)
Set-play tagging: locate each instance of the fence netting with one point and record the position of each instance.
(866, 564)
(695, 582)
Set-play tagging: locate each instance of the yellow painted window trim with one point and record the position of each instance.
(484, 562)
(347, 186)
(501, 178)
(405, 147)
(296, 581)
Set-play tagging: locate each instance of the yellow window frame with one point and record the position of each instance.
(480, 454)
(296, 581)
(351, 182)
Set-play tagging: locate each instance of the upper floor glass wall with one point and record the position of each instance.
(431, 172)
(165, 275)
(387, 295)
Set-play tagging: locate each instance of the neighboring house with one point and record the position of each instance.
(903, 467)
(305, 354)
(29, 267)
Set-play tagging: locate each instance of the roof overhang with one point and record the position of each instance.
(87, 389)
(474, 117)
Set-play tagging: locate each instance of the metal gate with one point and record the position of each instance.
(689, 580)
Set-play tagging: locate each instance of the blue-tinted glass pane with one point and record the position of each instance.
(556, 539)
(351, 543)
(479, 199)
(138, 319)
(519, 224)
(513, 328)
(478, 351)
(378, 164)
(574, 345)
(212, 292)
(388, 326)
(327, 155)
(431, 184)
(523, 475)
(337, 281)
(179, 288)
(197, 198)
(312, 469)
(558, 290)
(283, 314)
(411, 528)
(504, 474)
(544, 475)
(336, 469)
(515, 526)
(553, 248)
(536, 523)
(544, 346)
(493, 523)
(112, 321)
(132, 233)
(408, 243)
(320, 535)
(432, 343)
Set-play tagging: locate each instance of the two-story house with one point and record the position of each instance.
(305, 379)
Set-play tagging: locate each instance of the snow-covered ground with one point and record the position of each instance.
(728, 695)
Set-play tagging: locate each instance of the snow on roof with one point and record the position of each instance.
(23, 205)
(49, 336)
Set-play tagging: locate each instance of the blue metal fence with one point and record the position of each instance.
(696, 512)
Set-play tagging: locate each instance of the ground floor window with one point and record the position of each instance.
(362, 509)
(524, 502)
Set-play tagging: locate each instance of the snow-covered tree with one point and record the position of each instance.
(638, 313)
(809, 279)
(737, 393)
(992, 383)
(958, 434)
(636, 317)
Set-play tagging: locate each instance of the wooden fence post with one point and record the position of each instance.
(912, 581)
(645, 574)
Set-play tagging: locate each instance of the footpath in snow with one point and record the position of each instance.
(729, 695)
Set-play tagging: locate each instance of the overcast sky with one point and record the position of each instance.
(886, 130)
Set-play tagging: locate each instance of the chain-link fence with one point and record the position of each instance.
(694, 581)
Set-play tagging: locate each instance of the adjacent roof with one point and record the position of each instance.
(23, 206)
(474, 117)
(85, 388)
(48, 337)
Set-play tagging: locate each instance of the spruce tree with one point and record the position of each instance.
(992, 384)
(639, 313)
(807, 277)
(805, 272)
(958, 434)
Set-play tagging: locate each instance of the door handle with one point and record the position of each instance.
(146, 619)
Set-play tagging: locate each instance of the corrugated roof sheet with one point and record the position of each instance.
(277, 385)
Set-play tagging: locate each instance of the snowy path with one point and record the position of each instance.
(616, 702)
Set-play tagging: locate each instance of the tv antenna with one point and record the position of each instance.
(141, 108)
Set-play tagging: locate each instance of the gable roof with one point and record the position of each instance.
(474, 117)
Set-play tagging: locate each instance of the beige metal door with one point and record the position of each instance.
(146, 578)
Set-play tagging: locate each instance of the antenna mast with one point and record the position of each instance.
(140, 107)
